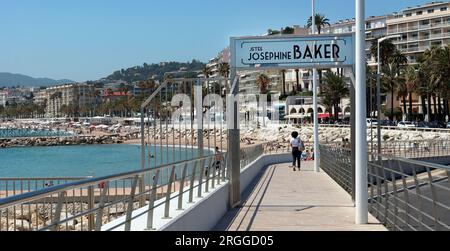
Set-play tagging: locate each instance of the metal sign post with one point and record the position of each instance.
(362, 215)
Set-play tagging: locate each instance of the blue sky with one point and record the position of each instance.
(89, 39)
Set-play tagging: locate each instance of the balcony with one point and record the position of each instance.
(414, 49)
(440, 35)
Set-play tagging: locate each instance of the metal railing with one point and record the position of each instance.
(15, 186)
(404, 194)
(413, 149)
(336, 161)
(87, 205)
(250, 154)
(409, 195)
(276, 147)
(395, 128)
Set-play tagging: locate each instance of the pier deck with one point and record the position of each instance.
(284, 200)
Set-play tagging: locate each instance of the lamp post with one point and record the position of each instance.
(379, 90)
(315, 105)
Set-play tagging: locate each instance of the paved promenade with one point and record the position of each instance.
(284, 200)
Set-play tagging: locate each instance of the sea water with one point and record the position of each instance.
(28, 133)
(81, 161)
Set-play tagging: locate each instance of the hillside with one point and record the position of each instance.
(140, 73)
(11, 80)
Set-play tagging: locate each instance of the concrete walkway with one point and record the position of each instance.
(284, 200)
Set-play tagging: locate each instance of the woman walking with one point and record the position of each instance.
(297, 148)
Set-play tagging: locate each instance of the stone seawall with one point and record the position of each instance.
(63, 141)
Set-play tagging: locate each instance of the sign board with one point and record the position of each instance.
(318, 51)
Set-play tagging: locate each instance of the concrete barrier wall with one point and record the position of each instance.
(205, 215)
(440, 160)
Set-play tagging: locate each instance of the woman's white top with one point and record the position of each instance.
(295, 142)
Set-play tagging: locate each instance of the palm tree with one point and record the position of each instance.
(206, 73)
(390, 82)
(392, 75)
(444, 63)
(224, 70)
(287, 30)
(263, 83)
(387, 49)
(297, 79)
(283, 73)
(321, 21)
(370, 91)
(411, 79)
(435, 70)
(335, 88)
(147, 86)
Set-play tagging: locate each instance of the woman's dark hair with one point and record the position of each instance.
(294, 135)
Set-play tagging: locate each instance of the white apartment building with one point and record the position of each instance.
(40, 97)
(78, 95)
(376, 27)
(3, 96)
(420, 28)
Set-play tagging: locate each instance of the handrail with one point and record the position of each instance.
(414, 162)
(394, 128)
(42, 178)
(404, 194)
(35, 195)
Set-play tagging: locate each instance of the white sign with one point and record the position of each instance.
(320, 51)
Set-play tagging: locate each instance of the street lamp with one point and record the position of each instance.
(379, 89)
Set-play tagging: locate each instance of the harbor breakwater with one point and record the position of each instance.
(64, 141)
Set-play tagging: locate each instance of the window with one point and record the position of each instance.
(408, 14)
(419, 13)
(444, 9)
(430, 11)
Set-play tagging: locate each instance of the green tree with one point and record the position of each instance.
(411, 82)
(263, 82)
(224, 70)
(287, 30)
(392, 75)
(387, 49)
(321, 22)
(335, 88)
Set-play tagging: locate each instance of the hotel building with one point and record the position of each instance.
(78, 95)
(420, 28)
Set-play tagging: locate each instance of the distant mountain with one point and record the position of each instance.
(156, 71)
(10, 80)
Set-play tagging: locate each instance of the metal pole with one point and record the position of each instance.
(379, 100)
(199, 109)
(353, 133)
(234, 151)
(362, 215)
(141, 178)
(316, 115)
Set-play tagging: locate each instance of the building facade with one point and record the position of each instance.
(420, 28)
(68, 95)
(3, 96)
